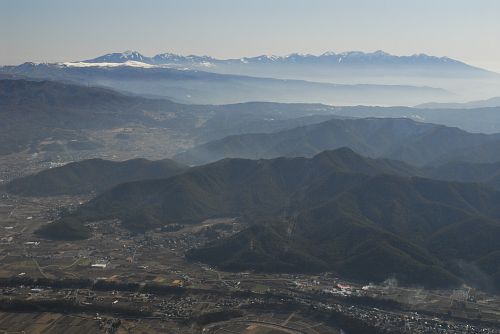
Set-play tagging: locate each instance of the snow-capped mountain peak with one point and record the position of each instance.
(328, 60)
(172, 58)
(167, 56)
(120, 57)
(129, 54)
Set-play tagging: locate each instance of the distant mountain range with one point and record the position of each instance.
(477, 120)
(348, 78)
(202, 87)
(401, 139)
(331, 59)
(489, 103)
(376, 68)
(364, 218)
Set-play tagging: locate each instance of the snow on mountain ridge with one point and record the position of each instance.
(130, 63)
(377, 58)
(119, 57)
(134, 55)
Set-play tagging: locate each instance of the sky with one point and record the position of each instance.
(69, 30)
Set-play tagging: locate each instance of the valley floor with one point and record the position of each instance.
(204, 298)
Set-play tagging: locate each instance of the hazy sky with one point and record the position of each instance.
(64, 30)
